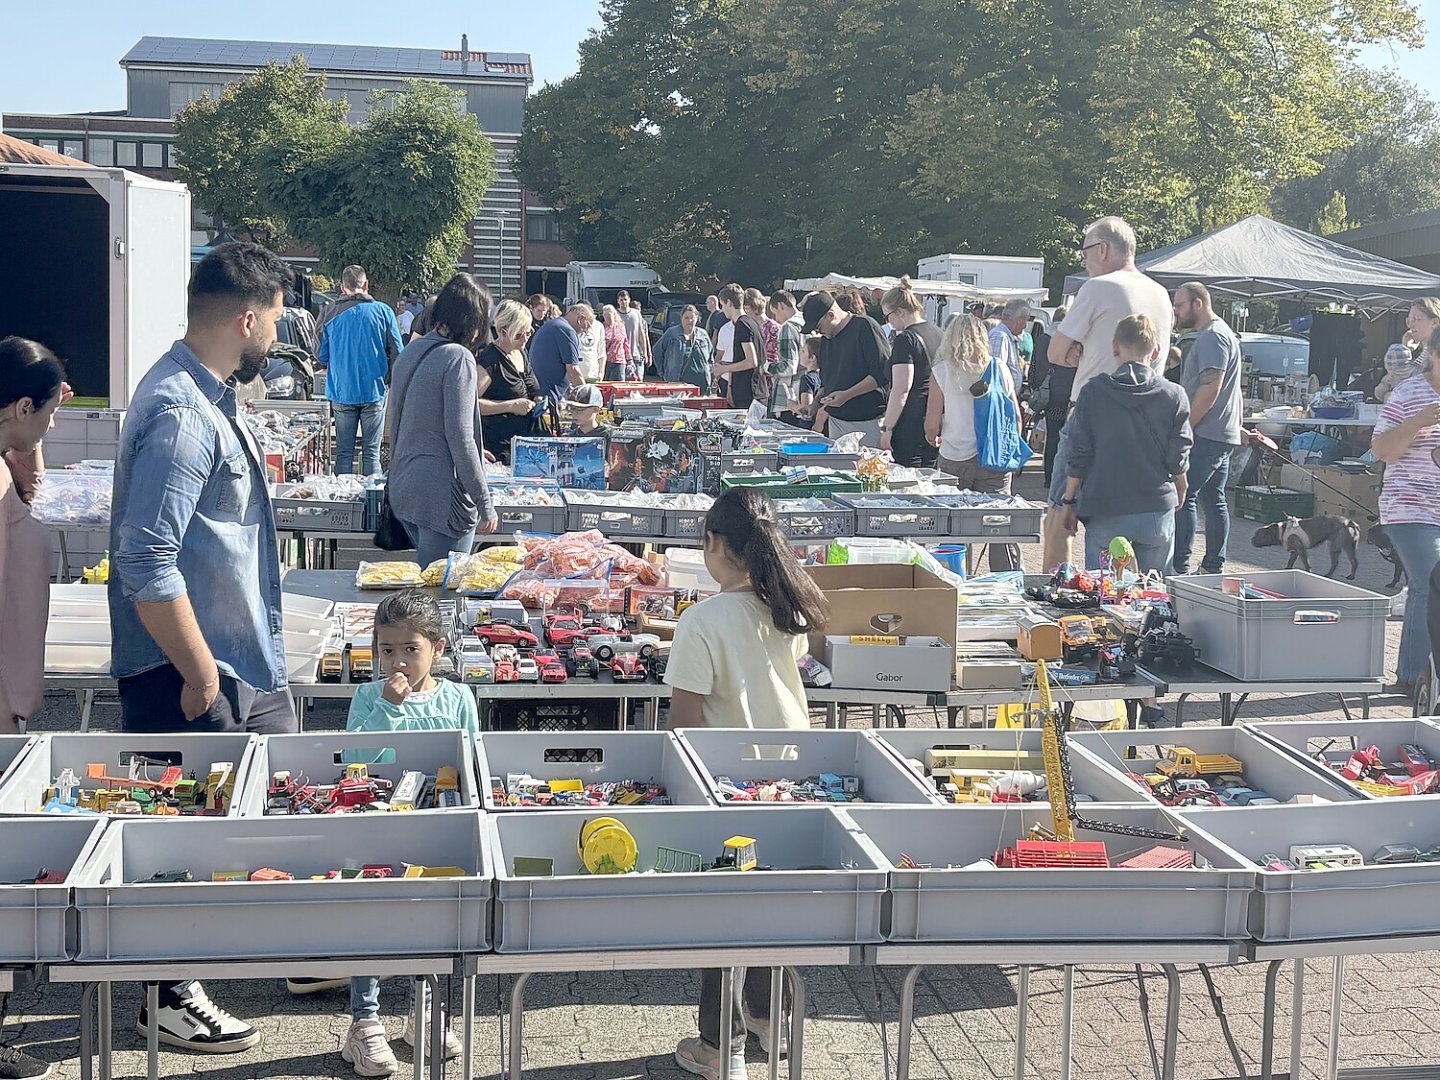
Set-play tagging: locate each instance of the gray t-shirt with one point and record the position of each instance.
(1216, 348)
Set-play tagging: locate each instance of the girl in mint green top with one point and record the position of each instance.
(408, 634)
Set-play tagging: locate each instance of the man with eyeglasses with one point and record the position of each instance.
(1115, 291)
(1005, 338)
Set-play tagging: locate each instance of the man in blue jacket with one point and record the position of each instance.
(359, 340)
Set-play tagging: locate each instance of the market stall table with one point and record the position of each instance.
(1233, 692)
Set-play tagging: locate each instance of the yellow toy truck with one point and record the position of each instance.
(1182, 761)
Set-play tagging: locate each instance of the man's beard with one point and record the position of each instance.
(252, 363)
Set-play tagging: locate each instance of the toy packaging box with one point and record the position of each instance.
(898, 663)
(571, 462)
(672, 462)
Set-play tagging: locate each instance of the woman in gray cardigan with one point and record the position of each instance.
(436, 481)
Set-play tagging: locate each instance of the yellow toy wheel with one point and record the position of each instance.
(606, 847)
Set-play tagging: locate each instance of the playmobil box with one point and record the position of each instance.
(570, 462)
(674, 462)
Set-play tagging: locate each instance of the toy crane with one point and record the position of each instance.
(1065, 819)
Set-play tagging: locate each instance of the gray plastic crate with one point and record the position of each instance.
(1261, 639)
(1023, 904)
(35, 926)
(526, 517)
(11, 747)
(1348, 902)
(923, 476)
(743, 463)
(1094, 780)
(613, 519)
(593, 757)
(987, 521)
(22, 789)
(321, 757)
(773, 753)
(826, 887)
(1335, 740)
(833, 521)
(216, 920)
(1265, 766)
(83, 435)
(316, 515)
(888, 513)
(827, 459)
(684, 524)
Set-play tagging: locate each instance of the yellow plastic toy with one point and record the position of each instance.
(99, 574)
(606, 847)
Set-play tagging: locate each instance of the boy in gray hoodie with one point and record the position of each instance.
(1129, 450)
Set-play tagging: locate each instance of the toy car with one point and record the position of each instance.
(506, 633)
(528, 670)
(1077, 638)
(562, 633)
(505, 671)
(607, 646)
(582, 661)
(627, 667)
(552, 669)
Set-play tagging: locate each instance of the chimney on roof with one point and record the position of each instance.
(464, 54)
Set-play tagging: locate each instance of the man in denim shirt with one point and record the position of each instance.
(195, 571)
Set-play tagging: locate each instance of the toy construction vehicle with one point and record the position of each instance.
(1078, 640)
(1182, 761)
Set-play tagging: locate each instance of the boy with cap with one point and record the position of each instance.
(585, 402)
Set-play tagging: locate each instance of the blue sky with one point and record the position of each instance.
(62, 55)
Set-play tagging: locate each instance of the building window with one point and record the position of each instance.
(73, 148)
(125, 154)
(152, 155)
(102, 151)
(53, 145)
(542, 228)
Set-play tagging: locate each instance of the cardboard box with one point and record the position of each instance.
(571, 462)
(676, 462)
(988, 665)
(1298, 477)
(917, 663)
(886, 598)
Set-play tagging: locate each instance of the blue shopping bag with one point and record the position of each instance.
(997, 426)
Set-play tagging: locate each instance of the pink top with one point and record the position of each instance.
(1411, 492)
(24, 602)
(617, 344)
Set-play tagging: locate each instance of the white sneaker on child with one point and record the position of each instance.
(367, 1048)
(453, 1047)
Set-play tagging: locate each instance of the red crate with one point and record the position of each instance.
(610, 390)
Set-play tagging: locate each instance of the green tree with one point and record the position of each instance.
(394, 194)
(217, 141)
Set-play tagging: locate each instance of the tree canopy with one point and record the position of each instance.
(714, 138)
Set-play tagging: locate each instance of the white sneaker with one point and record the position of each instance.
(453, 1047)
(367, 1048)
(697, 1056)
(192, 1021)
(759, 1026)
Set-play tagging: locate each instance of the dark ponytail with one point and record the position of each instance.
(28, 370)
(744, 518)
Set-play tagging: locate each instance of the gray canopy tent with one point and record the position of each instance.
(1257, 258)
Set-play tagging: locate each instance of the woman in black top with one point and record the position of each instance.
(915, 341)
(506, 384)
(748, 352)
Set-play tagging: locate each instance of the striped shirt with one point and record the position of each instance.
(1411, 492)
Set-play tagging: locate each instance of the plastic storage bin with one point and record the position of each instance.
(11, 747)
(1271, 639)
(79, 601)
(83, 435)
(684, 524)
(593, 758)
(121, 919)
(1336, 740)
(34, 919)
(825, 887)
(1023, 523)
(823, 486)
(803, 525)
(1098, 782)
(1265, 766)
(741, 463)
(525, 516)
(316, 515)
(322, 757)
(771, 753)
(23, 787)
(888, 513)
(1268, 504)
(612, 518)
(685, 569)
(1347, 902)
(1073, 904)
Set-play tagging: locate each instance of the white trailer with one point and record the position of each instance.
(985, 271)
(597, 283)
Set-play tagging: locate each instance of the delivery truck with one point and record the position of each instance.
(985, 271)
(598, 283)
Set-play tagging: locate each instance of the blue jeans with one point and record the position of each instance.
(1419, 548)
(370, 419)
(1209, 468)
(431, 546)
(365, 997)
(1151, 535)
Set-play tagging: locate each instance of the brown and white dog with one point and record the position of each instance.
(1299, 536)
(1381, 539)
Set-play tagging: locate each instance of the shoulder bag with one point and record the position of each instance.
(390, 532)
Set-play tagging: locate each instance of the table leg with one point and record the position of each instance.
(727, 1017)
(1365, 706)
(418, 1025)
(1344, 706)
(777, 1020)
(517, 1023)
(64, 555)
(438, 1029)
(467, 1037)
(1226, 716)
(1022, 1018)
(797, 1024)
(107, 1020)
(85, 699)
(1297, 1017)
(1337, 1006)
(875, 716)
(1067, 1018)
(87, 1031)
(1180, 709)
(1172, 1021)
(1267, 1023)
(152, 1031)
(907, 1022)
(832, 714)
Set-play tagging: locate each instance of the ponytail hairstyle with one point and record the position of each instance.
(902, 298)
(744, 519)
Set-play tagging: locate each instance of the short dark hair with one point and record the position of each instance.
(28, 370)
(413, 610)
(463, 309)
(733, 295)
(234, 278)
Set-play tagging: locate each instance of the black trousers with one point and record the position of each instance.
(150, 705)
(1062, 381)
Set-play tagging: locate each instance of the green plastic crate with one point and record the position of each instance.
(777, 487)
(1268, 504)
